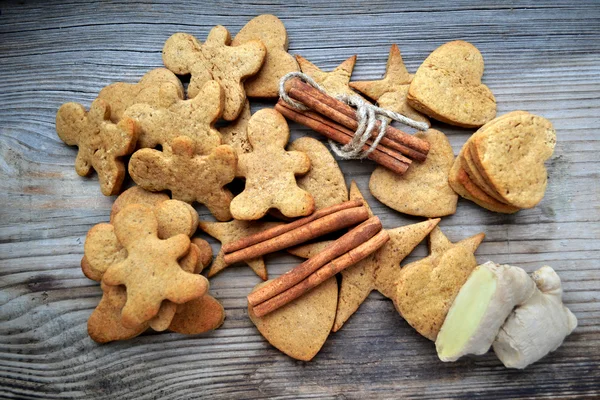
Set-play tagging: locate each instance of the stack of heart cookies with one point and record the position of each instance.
(501, 167)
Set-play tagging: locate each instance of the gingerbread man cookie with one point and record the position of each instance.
(270, 171)
(193, 118)
(101, 143)
(270, 31)
(150, 272)
(215, 59)
(157, 88)
(189, 177)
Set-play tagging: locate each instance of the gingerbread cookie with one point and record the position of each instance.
(216, 60)
(510, 154)
(380, 270)
(150, 272)
(324, 181)
(447, 87)
(336, 82)
(271, 32)
(270, 171)
(136, 195)
(194, 119)
(151, 90)
(427, 287)
(198, 316)
(227, 232)
(391, 91)
(101, 143)
(104, 324)
(236, 133)
(300, 328)
(189, 177)
(423, 190)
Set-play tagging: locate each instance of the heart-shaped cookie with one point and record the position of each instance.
(423, 190)
(447, 86)
(300, 328)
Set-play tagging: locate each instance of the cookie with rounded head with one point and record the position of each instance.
(151, 272)
(336, 82)
(423, 190)
(121, 95)
(236, 133)
(447, 86)
(427, 287)
(194, 119)
(324, 180)
(190, 177)
(390, 92)
(215, 59)
(511, 153)
(101, 143)
(270, 171)
(136, 195)
(271, 32)
(301, 327)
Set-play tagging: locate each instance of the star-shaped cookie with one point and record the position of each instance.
(381, 269)
(227, 232)
(390, 91)
(427, 287)
(335, 82)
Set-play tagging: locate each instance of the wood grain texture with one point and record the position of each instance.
(540, 56)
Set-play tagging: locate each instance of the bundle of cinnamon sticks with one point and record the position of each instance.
(337, 121)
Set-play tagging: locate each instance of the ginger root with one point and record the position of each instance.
(479, 310)
(536, 327)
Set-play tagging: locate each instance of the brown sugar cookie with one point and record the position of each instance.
(511, 153)
(149, 90)
(427, 287)
(475, 175)
(236, 133)
(189, 177)
(194, 119)
(101, 250)
(300, 328)
(205, 254)
(227, 232)
(463, 186)
(391, 91)
(101, 143)
(271, 32)
(136, 195)
(150, 272)
(335, 82)
(198, 316)
(215, 59)
(423, 190)
(270, 171)
(447, 86)
(104, 324)
(380, 270)
(324, 181)
(175, 217)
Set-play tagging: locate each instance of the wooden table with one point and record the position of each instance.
(541, 56)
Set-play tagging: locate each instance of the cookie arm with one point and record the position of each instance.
(300, 162)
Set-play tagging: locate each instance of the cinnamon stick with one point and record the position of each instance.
(281, 229)
(329, 223)
(378, 155)
(385, 145)
(335, 107)
(347, 242)
(322, 274)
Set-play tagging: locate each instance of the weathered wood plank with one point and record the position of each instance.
(541, 56)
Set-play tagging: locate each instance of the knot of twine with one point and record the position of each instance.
(366, 113)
